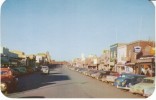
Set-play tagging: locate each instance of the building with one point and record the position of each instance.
(77, 62)
(21, 57)
(20, 54)
(136, 51)
(113, 55)
(43, 58)
(121, 58)
(91, 62)
(48, 57)
(4, 55)
(8, 58)
(104, 60)
(31, 60)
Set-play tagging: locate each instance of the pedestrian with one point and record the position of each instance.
(149, 71)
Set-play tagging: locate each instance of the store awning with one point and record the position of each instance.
(144, 60)
(130, 64)
(120, 65)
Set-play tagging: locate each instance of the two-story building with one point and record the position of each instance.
(121, 58)
(113, 56)
(135, 51)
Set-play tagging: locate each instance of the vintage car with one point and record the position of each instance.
(124, 77)
(85, 71)
(29, 69)
(127, 82)
(81, 70)
(45, 70)
(142, 86)
(111, 78)
(90, 72)
(22, 70)
(93, 73)
(16, 72)
(8, 81)
(100, 74)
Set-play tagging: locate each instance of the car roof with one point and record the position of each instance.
(132, 74)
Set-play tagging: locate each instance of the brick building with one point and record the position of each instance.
(135, 51)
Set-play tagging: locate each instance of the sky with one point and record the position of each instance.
(68, 28)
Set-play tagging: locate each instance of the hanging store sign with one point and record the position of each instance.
(144, 60)
(137, 49)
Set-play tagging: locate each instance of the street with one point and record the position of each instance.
(65, 83)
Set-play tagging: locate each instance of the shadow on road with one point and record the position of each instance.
(33, 97)
(37, 80)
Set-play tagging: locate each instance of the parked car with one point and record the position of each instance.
(118, 81)
(37, 68)
(85, 71)
(91, 72)
(82, 70)
(111, 78)
(100, 74)
(22, 70)
(8, 81)
(45, 70)
(127, 82)
(16, 72)
(29, 70)
(76, 68)
(143, 86)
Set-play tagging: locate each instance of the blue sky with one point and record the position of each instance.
(67, 28)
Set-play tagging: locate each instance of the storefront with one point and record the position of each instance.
(131, 68)
(146, 66)
(120, 68)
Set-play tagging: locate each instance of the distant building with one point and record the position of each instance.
(104, 60)
(30, 60)
(19, 53)
(7, 57)
(113, 55)
(91, 62)
(121, 58)
(21, 56)
(43, 58)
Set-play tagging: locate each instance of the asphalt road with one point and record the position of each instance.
(65, 83)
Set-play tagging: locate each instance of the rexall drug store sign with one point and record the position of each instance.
(137, 49)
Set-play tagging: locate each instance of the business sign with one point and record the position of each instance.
(137, 49)
(95, 61)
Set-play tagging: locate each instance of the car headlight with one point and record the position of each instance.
(3, 86)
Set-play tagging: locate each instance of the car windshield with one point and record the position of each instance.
(148, 81)
(126, 75)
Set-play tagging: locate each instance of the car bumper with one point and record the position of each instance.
(136, 91)
(3, 87)
(125, 88)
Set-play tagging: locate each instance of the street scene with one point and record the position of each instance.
(77, 49)
(64, 83)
